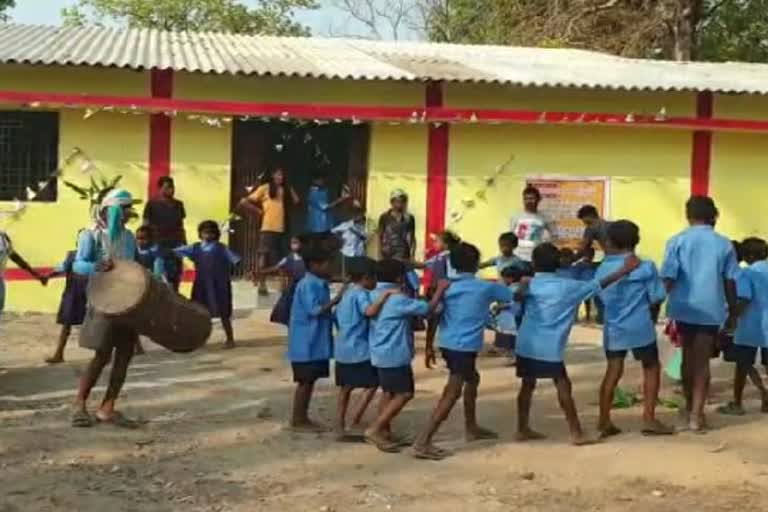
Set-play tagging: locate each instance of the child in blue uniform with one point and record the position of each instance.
(550, 304)
(391, 345)
(351, 351)
(506, 258)
(212, 287)
(440, 268)
(584, 270)
(149, 254)
(506, 315)
(72, 306)
(320, 218)
(462, 323)
(699, 272)
(752, 328)
(292, 267)
(310, 336)
(629, 326)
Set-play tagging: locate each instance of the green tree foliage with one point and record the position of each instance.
(5, 6)
(674, 29)
(268, 17)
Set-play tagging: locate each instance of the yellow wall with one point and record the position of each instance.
(649, 170)
(739, 172)
(398, 159)
(200, 166)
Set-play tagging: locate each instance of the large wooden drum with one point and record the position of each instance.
(129, 294)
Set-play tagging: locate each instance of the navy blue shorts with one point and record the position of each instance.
(694, 329)
(309, 372)
(742, 355)
(764, 356)
(648, 354)
(505, 341)
(397, 381)
(536, 369)
(463, 364)
(357, 375)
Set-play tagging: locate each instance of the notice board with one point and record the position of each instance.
(561, 198)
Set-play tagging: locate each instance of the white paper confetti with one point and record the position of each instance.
(279, 147)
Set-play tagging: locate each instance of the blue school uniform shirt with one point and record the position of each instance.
(698, 260)
(550, 306)
(353, 238)
(584, 271)
(319, 215)
(627, 313)
(752, 286)
(352, 337)
(391, 332)
(94, 246)
(501, 262)
(189, 251)
(152, 260)
(465, 312)
(440, 266)
(506, 319)
(309, 328)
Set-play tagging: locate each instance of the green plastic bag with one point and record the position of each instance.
(674, 366)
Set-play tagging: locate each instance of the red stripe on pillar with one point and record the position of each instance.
(437, 166)
(701, 157)
(159, 130)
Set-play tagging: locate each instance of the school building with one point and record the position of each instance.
(461, 128)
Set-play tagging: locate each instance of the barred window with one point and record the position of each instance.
(29, 154)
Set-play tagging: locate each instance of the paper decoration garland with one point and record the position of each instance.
(457, 213)
(20, 206)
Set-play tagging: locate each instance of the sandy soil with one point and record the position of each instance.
(215, 441)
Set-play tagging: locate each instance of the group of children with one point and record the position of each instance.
(212, 286)
(535, 306)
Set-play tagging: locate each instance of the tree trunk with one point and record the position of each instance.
(684, 28)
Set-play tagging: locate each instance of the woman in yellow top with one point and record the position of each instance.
(268, 202)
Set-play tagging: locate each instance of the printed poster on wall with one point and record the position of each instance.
(561, 199)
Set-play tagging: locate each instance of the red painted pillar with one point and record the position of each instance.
(437, 166)
(701, 157)
(159, 131)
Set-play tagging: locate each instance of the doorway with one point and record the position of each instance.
(337, 150)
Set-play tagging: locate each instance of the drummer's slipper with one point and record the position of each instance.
(81, 419)
(118, 420)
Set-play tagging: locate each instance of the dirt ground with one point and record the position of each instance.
(215, 441)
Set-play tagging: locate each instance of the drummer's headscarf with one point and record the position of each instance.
(113, 203)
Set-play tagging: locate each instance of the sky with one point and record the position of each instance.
(324, 21)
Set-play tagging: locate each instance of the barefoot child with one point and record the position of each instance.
(391, 344)
(351, 351)
(752, 328)
(550, 304)
(629, 326)
(462, 324)
(72, 306)
(310, 338)
(213, 270)
(97, 249)
(699, 271)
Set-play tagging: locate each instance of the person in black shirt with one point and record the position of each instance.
(165, 215)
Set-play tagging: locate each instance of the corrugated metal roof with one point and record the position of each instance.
(366, 60)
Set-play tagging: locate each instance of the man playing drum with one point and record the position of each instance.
(108, 240)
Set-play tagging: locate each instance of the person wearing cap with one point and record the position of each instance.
(397, 229)
(97, 250)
